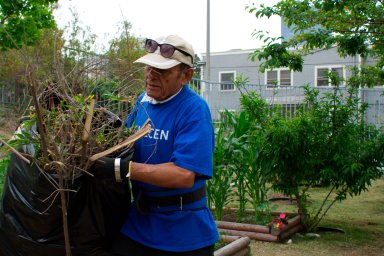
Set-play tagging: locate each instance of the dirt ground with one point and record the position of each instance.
(6, 132)
(8, 124)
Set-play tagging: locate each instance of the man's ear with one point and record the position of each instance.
(188, 74)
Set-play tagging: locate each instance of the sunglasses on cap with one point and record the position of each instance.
(166, 50)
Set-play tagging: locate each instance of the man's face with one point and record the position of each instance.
(161, 84)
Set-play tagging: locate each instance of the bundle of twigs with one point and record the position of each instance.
(72, 132)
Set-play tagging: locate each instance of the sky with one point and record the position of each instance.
(231, 26)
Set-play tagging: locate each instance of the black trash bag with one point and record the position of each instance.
(31, 215)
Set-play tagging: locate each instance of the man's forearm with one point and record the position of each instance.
(166, 175)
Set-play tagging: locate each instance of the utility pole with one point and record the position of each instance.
(208, 51)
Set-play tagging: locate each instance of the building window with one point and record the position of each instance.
(278, 78)
(226, 81)
(285, 78)
(272, 78)
(323, 78)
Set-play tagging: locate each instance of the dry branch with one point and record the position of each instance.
(87, 127)
(127, 143)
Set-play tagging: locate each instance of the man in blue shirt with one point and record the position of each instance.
(171, 164)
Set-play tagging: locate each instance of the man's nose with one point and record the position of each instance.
(151, 75)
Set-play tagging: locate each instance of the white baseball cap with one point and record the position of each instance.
(180, 51)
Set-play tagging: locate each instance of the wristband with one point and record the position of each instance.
(129, 170)
(117, 170)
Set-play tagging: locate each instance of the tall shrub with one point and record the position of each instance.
(328, 142)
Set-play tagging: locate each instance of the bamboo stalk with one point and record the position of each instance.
(15, 152)
(128, 142)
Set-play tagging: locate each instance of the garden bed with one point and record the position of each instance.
(275, 231)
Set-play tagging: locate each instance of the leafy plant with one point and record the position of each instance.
(257, 116)
(237, 139)
(23, 22)
(219, 187)
(3, 167)
(234, 159)
(123, 51)
(355, 27)
(327, 142)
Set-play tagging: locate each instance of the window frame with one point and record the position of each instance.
(330, 67)
(230, 83)
(278, 85)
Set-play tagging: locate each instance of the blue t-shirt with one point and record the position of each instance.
(182, 133)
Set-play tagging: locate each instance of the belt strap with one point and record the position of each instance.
(177, 200)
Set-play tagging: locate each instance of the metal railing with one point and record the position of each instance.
(13, 93)
(287, 98)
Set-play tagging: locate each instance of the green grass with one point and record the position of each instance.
(361, 218)
(3, 167)
(8, 123)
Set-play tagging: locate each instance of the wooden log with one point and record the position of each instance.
(292, 223)
(234, 247)
(248, 210)
(290, 231)
(242, 227)
(229, 239)
(243, 252)
(252, 235)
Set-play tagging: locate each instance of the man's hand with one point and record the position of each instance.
(112, 168)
